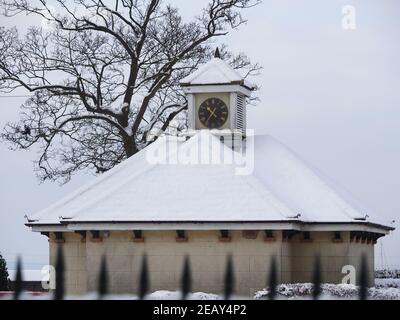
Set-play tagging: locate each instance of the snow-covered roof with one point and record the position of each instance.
(165, 183)
(215, 71)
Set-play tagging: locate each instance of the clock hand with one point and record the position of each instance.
(212, 112)
(208, 119)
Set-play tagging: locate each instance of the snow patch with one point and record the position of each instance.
(215, 71)
(299, 291)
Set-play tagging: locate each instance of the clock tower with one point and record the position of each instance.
(217, 96)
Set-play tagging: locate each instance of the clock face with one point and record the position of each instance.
(213, 113)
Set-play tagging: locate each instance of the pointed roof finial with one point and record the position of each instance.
(217, 54)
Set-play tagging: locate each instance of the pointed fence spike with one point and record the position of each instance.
(18, 280)
(363, 280)
(229, 279)
(217, 54)
(272, 279)
(317, 278)
(103, 278)
(144, 279)
(60, 270)
(186, 278)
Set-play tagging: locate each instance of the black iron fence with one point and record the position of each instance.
(186, 279)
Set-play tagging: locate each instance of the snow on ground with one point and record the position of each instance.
(176, 295)
(385, 289)
(299, 291)
(387, 274)
(157, 295)
(387, 283)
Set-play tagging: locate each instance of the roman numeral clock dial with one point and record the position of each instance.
(213, 113)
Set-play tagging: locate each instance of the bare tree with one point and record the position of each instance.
(104, 74)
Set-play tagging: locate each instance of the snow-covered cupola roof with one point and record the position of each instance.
(216, 72)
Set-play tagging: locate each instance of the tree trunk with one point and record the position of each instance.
(129, 146)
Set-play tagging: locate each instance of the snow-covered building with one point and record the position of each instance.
(208, 194)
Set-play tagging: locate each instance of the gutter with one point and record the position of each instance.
(70, 225)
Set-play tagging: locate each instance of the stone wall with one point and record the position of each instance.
(251, 258)
(75, 261)
(334, 254)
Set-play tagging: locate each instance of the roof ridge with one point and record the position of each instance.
(334, 195)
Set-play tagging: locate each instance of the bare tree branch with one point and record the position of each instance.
(105, 74)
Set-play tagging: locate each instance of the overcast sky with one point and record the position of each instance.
(330, 94)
